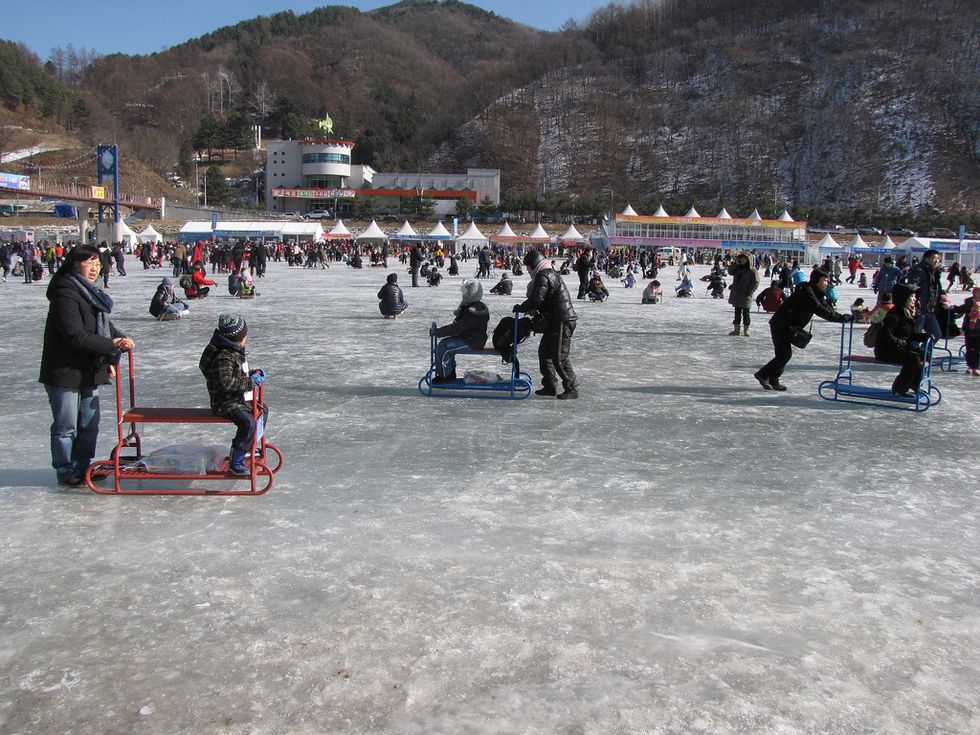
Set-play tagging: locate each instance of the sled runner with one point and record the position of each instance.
(843, 387)
(517, 386)
(141, 477)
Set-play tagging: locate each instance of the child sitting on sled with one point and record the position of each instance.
(230, 385)
(467, 331)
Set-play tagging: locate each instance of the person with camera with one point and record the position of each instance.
(788, 325)
(548, 296)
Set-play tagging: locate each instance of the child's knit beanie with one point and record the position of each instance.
(232, 327)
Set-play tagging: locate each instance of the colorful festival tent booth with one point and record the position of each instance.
(438, 233)
(372, 233)
(339, 232)
(572, 235)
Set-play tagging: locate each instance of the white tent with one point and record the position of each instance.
(887, 243)
(723, 214)
(786, 216)
(194, 230)
(539, 235)
(373, 232)
(338, 232)
(827, 243)
(303, 231)
(858, 243)
(149, 235)
(126, 236)
(439, 232)
(472, 234)
(629, 211)
(571, 235)
(406, 230)
(755, 215)
(692, 212)
(661, 212)
(506, 231)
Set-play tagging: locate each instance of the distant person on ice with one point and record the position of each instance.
(796, 312)
(392, 299)
(230, 385)
(652, 293)
(745, 281)
(503, 287)
(548, 296)
(467, 331)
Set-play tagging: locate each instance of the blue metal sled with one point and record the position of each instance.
(516, 387)
(843, 388)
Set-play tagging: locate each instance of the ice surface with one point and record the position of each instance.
(676, 552)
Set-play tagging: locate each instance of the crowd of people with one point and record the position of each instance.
(82, 345)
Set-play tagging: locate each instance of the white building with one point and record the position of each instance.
(306, 175)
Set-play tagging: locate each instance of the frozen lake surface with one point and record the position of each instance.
(677, 551)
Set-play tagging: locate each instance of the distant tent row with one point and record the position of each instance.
(693, 213)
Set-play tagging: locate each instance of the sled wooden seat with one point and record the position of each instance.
(169, 415)
(868, 359)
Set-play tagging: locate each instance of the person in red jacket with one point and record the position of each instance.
(200, 284)
(771, 298)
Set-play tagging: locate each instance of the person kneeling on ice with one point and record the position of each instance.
(504, 287)
(196, 284)
(467, 331)
(241, 284)
(230, 385)
(392, 299)
(596, 290)
(165, 304)
(652, 293)
(435, 277)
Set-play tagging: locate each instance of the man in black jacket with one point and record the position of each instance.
(583, 266)
(795, 313)
(415, 258)
(550, 299)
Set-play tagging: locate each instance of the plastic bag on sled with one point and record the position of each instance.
(481, 377)
(184, 459)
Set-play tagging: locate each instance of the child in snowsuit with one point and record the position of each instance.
(435, 277)
(467, 331)
(504, 287)
(230, 385)
(652, 293)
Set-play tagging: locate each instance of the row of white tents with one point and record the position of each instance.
(693, 214)
(313, 232)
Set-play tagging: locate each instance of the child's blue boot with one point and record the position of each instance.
(236, 463)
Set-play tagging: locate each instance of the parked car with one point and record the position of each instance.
(317, 214)
(903, 231)
(873, 231)
(941, 232)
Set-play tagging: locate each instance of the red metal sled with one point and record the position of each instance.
(131, 469)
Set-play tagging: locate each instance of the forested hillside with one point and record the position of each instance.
(826, 105)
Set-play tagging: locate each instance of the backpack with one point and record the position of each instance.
(871, 336)
(186, 281)
(503, 335)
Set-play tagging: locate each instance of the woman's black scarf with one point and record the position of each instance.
(97, 298)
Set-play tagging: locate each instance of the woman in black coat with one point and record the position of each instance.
(392, 299)
(80, 347)
(899, 344)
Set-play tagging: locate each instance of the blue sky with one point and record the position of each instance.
(135, 27)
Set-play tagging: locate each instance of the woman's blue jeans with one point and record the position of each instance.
(75, 429)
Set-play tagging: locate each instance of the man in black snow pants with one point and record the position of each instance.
(550, 299)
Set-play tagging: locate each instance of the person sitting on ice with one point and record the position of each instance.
(467, 331)
(685, 289)
(652, 293)
(434, 278)
(241, 285)
(504, 287)
(630, 280)
(392, 299)
(165, 304)
(770, 299)
(596, 290)
(863, 280)
(716, 284)
(196, 284)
